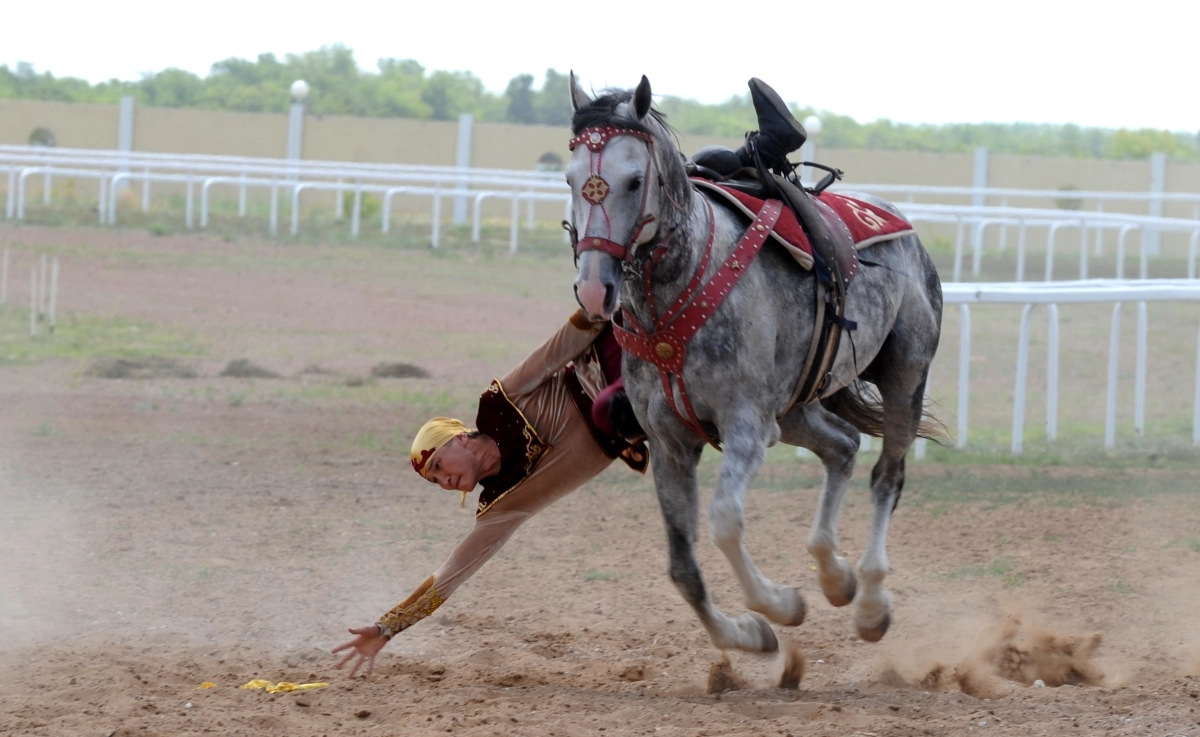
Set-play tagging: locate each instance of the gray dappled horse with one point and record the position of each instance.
(742, 363)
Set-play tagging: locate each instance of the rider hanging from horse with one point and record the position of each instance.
(547, 427)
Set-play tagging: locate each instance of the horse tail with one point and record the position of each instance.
(860, 405)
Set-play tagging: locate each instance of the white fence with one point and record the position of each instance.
(289, 178)
(1051, 294)
(279, 177)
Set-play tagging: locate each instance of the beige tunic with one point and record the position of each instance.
(537, 387)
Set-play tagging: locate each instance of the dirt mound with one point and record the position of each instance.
(242, 368)
(1018, 652)
(399, 371)
(153, 367)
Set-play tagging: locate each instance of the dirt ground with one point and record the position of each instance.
(157, 534)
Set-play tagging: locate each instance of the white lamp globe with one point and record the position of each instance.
(299, 90)
(812, 124)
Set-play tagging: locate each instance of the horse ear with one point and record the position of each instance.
(641, 98)
(579, 98)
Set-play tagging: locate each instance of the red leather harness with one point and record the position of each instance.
(665, 343)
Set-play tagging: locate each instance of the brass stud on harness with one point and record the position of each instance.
(665, 351)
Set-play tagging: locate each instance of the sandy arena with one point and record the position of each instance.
(159, 533)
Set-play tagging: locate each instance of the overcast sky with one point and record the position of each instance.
(918, 61)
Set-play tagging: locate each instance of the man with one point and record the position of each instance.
(542, 431)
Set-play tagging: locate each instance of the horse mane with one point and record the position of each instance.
(604, 110)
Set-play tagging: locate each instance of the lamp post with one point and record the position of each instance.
(808, 152)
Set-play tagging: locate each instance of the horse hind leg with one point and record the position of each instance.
(903, 408)
(675, 481)
(745, 444)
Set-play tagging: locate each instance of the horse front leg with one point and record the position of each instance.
(678, 499)
(745, 442)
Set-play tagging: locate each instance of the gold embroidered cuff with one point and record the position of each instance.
(423, 602)
(580, 321)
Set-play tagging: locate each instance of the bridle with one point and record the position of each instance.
(595, 190)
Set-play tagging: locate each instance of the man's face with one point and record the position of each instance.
(454, 467)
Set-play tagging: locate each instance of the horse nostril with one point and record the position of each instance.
(608, 297)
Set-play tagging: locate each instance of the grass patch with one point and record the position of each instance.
(596, 574)
(1191, 543)
(1001, 566)
(1120, 587)
(84, 337)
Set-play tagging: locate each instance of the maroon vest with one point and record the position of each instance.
(521, 448)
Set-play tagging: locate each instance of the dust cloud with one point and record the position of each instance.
(999, 657)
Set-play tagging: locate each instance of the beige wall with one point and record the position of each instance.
(172, 130)
(75, 126)
(506, 146)
(379, 140)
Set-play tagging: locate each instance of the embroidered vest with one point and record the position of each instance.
(521, 448)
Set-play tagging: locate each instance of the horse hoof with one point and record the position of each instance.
(876, 633)
(796, 610)
(768, 643)
(848, 590)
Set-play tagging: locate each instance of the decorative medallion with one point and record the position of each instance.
(595, 189)
(664, 351)
(595, 137)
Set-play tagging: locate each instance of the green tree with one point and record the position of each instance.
(403, 88)
(171, 88)
(450, 94)
(520, 99)
(554, 101)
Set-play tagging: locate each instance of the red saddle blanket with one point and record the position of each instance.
(868, 224)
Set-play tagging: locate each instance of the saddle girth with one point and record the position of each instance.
(836, 264)
(664, 341)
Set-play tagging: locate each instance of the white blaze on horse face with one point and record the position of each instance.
(607, 201)
(590, 288)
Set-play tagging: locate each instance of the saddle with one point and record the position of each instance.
(834, 252)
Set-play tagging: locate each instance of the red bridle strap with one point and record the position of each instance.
(595, 139)
(666, 345)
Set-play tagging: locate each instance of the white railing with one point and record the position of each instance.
(1052, 294)
(979, 219)
(111, 169)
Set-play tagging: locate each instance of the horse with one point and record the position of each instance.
(641, 228)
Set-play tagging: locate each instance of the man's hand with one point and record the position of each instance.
(363, 648)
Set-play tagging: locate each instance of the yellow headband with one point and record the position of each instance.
(431, 437)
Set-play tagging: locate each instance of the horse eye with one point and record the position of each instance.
(635, 184)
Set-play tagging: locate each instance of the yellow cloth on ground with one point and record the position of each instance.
(282, 686)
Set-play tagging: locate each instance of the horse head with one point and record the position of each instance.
(627, 185)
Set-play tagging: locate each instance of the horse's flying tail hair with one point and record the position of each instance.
(860, 405)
